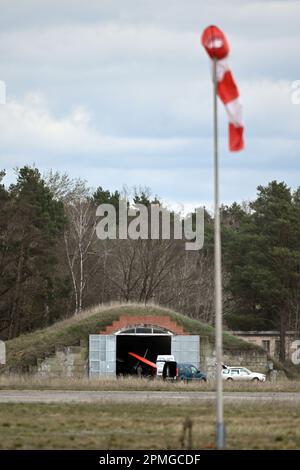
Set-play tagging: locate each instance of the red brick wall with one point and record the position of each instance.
(127, 321)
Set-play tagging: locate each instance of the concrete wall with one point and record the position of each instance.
(256, 361)
(66, 362)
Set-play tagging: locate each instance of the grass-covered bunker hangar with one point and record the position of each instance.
(96, 343)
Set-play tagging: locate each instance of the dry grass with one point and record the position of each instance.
(97, 309)
(123, 426)
(28, 382)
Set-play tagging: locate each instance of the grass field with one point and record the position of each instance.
(27, 382)
(119, 426)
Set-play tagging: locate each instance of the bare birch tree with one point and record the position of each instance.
(79, 236)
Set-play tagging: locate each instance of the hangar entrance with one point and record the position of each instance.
(108, 354)
(147, 342)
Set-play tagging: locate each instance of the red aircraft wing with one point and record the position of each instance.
(143, 359)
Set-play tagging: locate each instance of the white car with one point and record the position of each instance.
(242, 374)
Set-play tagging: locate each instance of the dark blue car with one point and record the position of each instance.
(189, 372)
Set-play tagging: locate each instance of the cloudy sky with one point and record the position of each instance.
(119, 92)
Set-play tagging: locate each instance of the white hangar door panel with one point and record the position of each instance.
(186, 349)
(102, 355)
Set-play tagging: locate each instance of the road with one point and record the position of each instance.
(66, 396)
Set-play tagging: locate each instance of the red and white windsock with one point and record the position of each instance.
(217, 47)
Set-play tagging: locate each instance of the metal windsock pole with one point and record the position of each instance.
(216, 45)
(209, 41)
(220, 434)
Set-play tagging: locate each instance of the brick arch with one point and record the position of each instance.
(128, 321)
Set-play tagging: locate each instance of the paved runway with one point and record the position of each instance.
(65, 396)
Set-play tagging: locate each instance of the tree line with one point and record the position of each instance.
(52, 265)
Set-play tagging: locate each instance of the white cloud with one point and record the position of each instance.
(27, 126)
(103, 43)
(123, 90)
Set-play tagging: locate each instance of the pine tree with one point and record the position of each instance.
(263, 257)
(35, 222)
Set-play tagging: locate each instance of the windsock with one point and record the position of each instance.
(217, 47)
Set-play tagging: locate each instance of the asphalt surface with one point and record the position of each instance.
(65, 396)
